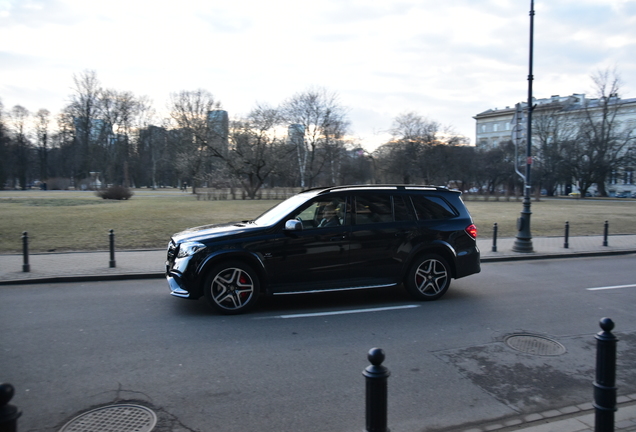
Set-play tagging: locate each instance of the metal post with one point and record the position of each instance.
(566, 243)
(376, 392)
(605, 231)
(8, 413)
(523, 241)
(494, 237)
(604, 385)
(112, 249)
(26, 267)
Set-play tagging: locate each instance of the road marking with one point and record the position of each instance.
(345, 312)
(611, 287)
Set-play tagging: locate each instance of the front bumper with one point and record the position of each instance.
(178, 274)
(175, 284)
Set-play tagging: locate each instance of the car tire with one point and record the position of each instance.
(428, 278)
(232, 288)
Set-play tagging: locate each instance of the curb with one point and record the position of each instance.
(83, 278)
(536, 420)
(533, 256)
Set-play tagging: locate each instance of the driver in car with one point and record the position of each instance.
(329, 217)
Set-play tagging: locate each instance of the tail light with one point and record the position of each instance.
(471, 230)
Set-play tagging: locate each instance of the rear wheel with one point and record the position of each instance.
(428, 278)
(232, 288)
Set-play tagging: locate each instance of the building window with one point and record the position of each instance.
(483, 128)
(495, 127)
(629, 177)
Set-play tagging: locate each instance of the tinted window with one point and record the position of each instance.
(431, 208)
(323, 213)
(371, 209)
(402, 209)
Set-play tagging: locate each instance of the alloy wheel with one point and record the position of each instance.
(431, 277)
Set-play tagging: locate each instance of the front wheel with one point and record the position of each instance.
(232, 288)
(428, 278)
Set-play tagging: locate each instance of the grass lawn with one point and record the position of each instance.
(73, 220)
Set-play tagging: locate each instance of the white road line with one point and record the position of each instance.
(345, 312)
(611, 287)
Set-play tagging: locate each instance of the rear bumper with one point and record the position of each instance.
(468, 262)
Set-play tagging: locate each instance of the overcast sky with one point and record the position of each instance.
(444, 59)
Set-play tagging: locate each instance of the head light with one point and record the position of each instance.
(189, 248)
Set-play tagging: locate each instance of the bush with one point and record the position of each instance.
(115, 192)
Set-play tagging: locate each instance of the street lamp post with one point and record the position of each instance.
(523, 241)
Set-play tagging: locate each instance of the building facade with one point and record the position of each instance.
(495, 126)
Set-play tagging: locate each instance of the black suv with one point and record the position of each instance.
(329, 239)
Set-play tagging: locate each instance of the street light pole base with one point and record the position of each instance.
(522, 245)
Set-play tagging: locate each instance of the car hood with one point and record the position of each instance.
(209, 232)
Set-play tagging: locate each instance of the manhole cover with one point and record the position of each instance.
(113, 418)
(533, 344)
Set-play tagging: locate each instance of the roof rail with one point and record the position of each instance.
(378, 186)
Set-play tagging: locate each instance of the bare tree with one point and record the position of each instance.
(412, 135)
(422, 151)
(255, 148)
(18, 118)
(603, 138)
(119, 111)
(5, 155)
(84, 111)
(150, 139)
(553, 129)
(323, 122)
(42, 124)
(189, 110)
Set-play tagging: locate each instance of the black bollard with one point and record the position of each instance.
(494, 237)
(8, 413)
(376, 387)
(566, 243)
(604, 385)
(111, 236)
(26, 267)
(605, 231)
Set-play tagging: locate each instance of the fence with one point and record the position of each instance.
(221, 194)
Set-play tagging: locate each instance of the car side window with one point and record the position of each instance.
(402, 209)
(432, 208)
(370, 209)
(323, 213)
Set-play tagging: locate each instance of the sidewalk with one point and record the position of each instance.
(578, 418)
(145, 264)
(87, 266)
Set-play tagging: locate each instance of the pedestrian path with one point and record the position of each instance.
(577, 418)
(78, 266)
(551, 247)
(61, 267)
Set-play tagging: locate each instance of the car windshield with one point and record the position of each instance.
(276, 213)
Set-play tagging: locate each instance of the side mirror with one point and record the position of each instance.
(293, 225)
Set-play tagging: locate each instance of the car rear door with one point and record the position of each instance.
(382, 226)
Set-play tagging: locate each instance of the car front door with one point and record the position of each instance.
(316, 257)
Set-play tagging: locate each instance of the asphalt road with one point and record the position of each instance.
(295, 363)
